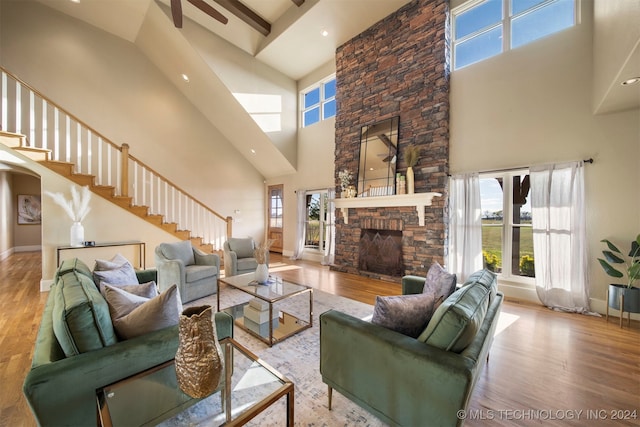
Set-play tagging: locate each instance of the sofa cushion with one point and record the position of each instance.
(439, 282)
(179, 250)
(155, 314)
(81, 320)
(196, 272)
(247, 264)
(406, 314)
(73, 264)
(456, 322)
(242, 247)
(485, 278)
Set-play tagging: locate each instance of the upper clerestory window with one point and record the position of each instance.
(318, 102)
(485, 28)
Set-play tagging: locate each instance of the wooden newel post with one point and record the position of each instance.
(124, 184)
(229, 227)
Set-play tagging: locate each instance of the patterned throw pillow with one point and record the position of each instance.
(406, 314)
(439, 282)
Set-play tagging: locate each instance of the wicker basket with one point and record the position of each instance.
(199, 362)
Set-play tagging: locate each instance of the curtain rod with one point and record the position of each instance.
(589, 160)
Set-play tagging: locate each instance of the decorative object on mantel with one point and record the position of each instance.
(199, 362)
(260, 254)
(348, 190)
(77, 208)
(411, 155)
(419, 200)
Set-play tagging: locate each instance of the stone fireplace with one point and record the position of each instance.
(398, 67)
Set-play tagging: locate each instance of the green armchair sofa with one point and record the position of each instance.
(61, 388)
(403, 380)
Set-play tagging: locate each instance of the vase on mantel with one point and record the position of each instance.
(410, 187)
(77, 234)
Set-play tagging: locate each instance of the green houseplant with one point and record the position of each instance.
(613, 265)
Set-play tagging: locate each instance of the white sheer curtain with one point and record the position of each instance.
(301, 224)
(559, 236)
(329, 244)
(465, 225)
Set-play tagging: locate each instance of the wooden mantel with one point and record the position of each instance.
(419, 200)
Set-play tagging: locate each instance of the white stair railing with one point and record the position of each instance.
(47, 126)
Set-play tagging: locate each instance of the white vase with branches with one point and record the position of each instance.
(77, 208)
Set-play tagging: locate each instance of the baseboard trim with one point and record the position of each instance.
(32, 248)
(6, 254)
(45, 285)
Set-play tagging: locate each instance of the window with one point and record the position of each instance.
(507, 234)
(319, 102)
(317, 220)
(482, 29)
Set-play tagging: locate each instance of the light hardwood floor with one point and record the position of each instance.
(546, 368)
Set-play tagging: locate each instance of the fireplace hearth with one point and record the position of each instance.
(380, 251)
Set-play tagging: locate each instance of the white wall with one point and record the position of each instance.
(533, 105)
(7, 209)
(108, 83)
(316, 159)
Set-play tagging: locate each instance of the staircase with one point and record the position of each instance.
(44, 132)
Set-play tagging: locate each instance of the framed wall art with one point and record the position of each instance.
(29, 211)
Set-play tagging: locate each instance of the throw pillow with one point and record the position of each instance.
(439, 282)
(147, 290)
(155, 314)
(117, 261)
(121, 302)
(118, 270)
(406, 314)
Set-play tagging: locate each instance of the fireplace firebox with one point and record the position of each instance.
(380, 251)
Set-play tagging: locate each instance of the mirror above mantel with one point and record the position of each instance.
(378, 156)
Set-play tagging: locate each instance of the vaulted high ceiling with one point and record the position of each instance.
(294, 46)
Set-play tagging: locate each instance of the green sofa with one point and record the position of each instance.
(403, 380)
(61, 387)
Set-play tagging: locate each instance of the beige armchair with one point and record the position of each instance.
(195, 272)
(238, 256)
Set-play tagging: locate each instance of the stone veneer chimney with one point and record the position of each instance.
(398, 67)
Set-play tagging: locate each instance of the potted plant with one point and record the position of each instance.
(613, 256)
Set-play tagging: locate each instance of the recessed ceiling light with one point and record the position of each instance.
(185, 78)
(253, 151)
(631, 81)
(75, 1)
(324, 33)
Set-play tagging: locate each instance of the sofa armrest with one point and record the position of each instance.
(412, 284)
(406, 383)
(63, 392)
(148, 275)
(171, 272)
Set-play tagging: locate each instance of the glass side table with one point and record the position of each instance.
(250, 386)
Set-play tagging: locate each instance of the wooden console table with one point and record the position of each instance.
(140, 245)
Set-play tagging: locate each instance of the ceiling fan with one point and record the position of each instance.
(176, 11)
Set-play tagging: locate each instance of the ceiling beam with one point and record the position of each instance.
(247, 15)
(298, 2)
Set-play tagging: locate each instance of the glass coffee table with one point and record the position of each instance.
(250, 386)
(288, 317)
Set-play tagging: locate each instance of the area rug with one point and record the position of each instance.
(298, 359)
